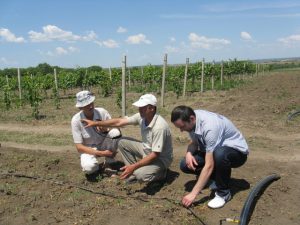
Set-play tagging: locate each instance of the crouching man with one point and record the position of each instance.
(92, 142)
(216, 146)
(149, 159)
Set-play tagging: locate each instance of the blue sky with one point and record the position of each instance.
(89, 32)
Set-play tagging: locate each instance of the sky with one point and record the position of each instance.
(82, 33)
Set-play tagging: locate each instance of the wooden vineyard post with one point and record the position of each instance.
(222, 71)
(163, 80)
(19, 84)
(213, 77)
(110, 76)
(185, 76)
(202, 75)
(124, 86)
(55, 80)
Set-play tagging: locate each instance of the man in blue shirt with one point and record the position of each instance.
(216, 146)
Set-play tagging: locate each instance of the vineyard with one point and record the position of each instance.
(35, 84)
(41, 179)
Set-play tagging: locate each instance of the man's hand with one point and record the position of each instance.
(188, 199)
(89, 123)
(127, 171)
(190, 161)
(102, 129)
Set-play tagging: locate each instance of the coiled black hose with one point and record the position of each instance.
(253, 196)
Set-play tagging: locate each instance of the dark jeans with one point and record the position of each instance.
(225, 158)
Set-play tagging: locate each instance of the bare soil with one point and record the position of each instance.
(43, 184)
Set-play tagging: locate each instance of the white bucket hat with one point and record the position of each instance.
(84, 98)
(147, 99)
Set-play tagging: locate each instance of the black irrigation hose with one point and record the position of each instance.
(253, 196)
(292, 115)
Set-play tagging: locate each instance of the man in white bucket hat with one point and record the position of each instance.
(149, 159)
(92, 142)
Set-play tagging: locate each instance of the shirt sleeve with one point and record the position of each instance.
(135, 119)
(76, 131)
(104, 114)
(159, 138)
(212, 138)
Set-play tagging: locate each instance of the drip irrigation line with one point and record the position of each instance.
(103, 193)
(72, 186)
(197, 217)
(187, 208)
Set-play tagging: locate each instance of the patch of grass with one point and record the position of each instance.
(8, 189)
(35, 138)
(283, 94)
(77, 195)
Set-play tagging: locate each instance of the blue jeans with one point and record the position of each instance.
(225, 158)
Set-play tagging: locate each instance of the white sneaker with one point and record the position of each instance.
(219, 201)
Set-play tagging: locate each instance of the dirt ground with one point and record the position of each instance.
(43, 184)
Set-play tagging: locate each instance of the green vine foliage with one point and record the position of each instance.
(7, 97)
(32, 95)
(56, 98)
(143, 79)
(119, 98)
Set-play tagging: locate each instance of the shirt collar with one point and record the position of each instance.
(152, 121)
(198, 126)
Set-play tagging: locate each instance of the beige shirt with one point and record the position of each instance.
(156, 137)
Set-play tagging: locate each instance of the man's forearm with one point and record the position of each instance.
(202, 180)
(116, 122)
(88, 150)
(147, 160)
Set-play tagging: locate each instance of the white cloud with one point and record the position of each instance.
(54, 33)
(51, 32)
(110, 43)
(138, 39)
(121, 30)
(197, 41)
(6, 62)
(292, 39)
(9, 36)
(172, 39)
(73, 49)
(246, 36)
(61, 51)
(91, 36)
(98, 42)
(171, 49)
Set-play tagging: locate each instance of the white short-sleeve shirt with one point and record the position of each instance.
(213, 130)
(88, 136)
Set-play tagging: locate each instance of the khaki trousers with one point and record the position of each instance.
(132, 151)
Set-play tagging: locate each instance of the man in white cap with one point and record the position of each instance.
(149, 159)
(92, 142)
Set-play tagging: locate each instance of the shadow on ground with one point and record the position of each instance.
(236, 185)
(153, 187)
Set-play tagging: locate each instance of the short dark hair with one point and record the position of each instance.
(182, 112)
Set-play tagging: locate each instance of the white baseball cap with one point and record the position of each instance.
(84, 98)
(147, 99)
